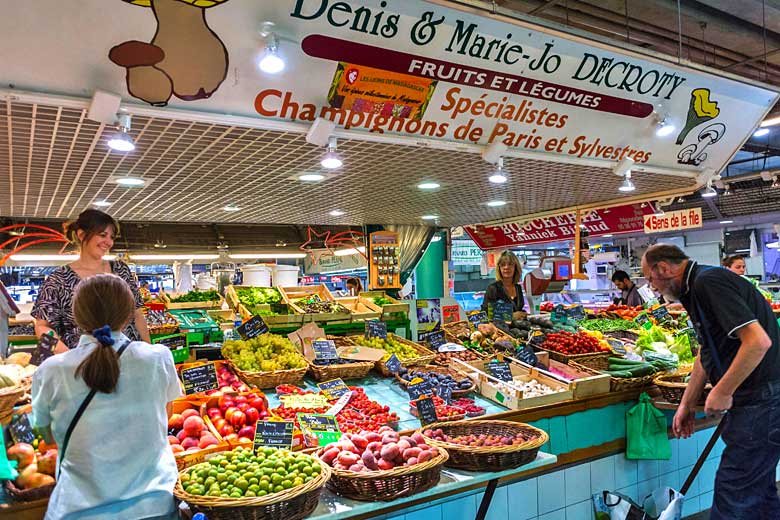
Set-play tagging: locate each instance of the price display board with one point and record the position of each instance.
(333, 389)
(376, 329)
(276, 434)
(175, 342)
(434, 338)
(500, 370)
(617, 345)
(324, 428)
(304, 401)
(526, 354)
(451, 347)
(426, 411)
(660, 313)
(200, 379)
(324, 349)
(502, 311)
(478, 317)
(20, 429)
(416, 390)
(44, 350)
(253, 327)
(445, 392)
(576, 313)
(643, 320)
(393, 364)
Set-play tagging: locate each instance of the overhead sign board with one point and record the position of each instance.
(673, 220)
(398, 67)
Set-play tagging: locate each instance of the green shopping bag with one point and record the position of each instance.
(646, 432)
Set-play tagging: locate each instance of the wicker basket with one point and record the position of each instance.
(370, 486)
(168, 328)
(488, 458)
(9, 396)
(596, 363)
(672, 387)
(356, 370)
(440, 370)
(425, 357)
(269, 379)
(28, 495)
(292, 504)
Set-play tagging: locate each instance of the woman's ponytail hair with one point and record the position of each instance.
(102, 304)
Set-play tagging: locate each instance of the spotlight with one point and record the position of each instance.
(271, 62)
(709, 192)
(775, 182)
(498, 176)
(627, 186)
(122, 141)
(761, 132)
(331, 160)
(727, 190)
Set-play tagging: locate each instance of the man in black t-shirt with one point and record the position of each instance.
(740, 356)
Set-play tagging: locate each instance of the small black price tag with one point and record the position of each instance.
(502, 311)
(576, 313)
(500, 370)
(526, 354)
(176, 342)
(277, 434)
(199, 379)
(559, 312)
(325, 349)
(416, 390)
(478, 317)
(20, 429)
(660, 313)
(376, 329)
(44, 350)
(253, 327)
(434, 338)
(617, 345)
(426, 411)
(445, 392)
(536, 338)
(393, 364)
(333, 389)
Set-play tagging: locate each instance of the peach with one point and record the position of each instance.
(175, 422)
(177, 448)
(193, 425)
(181, 435)
(172, 440)
(190, 442)
(191, 412)
(206, 441)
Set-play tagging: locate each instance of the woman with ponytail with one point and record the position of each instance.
(105, 404)
(93, 233)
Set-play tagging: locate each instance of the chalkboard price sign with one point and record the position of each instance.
(478, 317)
(502, 311)
(376, 329)
(445, 392)
(325, 349)
(20, 429)
(45, 349)
(253, 327)
(426, 411)
(199, 379)
(176, 342)
(526, 354)
(333, 389)
(393, 364)
(434, 338)
(500, 370)
(419, 389)
(576, 313)
(660, 313)
(277, 434)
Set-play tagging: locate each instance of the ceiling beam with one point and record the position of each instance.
(544, 6)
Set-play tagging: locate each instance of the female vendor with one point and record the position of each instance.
(507, 285)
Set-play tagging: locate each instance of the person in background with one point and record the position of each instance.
(507, 285)
(740, 356)
(117, 463)
(629, 292)
(735, 264)
(93, 232)
(354, 287)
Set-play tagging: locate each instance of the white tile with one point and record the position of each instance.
(581, 511)
(629, 491)
(577, 484)
(666, 466)
(705, 501)
(647, 469)
(671, 479)
(645, 488)
(625, 471)
(551, 492)
(690, 506)
(498, 506)
(689, 452)
(522, 500)
(602, 475)
(429, 513)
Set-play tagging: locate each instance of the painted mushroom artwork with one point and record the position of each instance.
(185, 58)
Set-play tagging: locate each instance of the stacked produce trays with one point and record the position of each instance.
(197, 303)
(323, 309)
(388, 304)
(360, 308)
(269, 305)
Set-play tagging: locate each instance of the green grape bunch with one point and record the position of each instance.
(264, 353)
(401, 350)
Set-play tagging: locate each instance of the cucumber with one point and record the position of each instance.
(632, 372)
(625, 362)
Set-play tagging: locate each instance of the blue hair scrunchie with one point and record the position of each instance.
(103, 335)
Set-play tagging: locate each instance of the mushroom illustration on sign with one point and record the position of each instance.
(185, 58)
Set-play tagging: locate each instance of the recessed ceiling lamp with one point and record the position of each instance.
(311, 177)
(160, 245)
(331, 160)
(428, 185)
(496, 203)
(336, 213)
(231, 207)
(665, 128)
(270, 62)
(776, 182)
(761, 132)
(130, 182)
(726, 221)
(429, 217)
(101, 204)
(709, 192)
(498, 176)
(607, 236)
(121, 141)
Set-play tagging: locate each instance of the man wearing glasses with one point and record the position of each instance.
(740, 356)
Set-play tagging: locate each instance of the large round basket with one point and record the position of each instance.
(488, 458)
(439, 370)
(269, 379)
(672, 387)
(9, 396)
(28, 495)
(370, 486)
(292, 504)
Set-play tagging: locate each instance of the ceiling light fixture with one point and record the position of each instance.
(311, 177)
(52, 258)
(607, 236)
(175, 257)
(270, 62)
(231, 207)
(266, 256)
(121, 141)
(726, 221)
(498, 176)
(627, 186)
(761, 132)
(130, 182)
(331, 160)
(709, 192)
(623, 169)
(428, 185)
(429, 217)
(350, 251)
(336, 213)
(776, 182)
(101, 203)
(727, 190)
(665, 128)
(496, 203)
(160, 245)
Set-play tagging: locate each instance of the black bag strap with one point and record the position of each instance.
(80, 412)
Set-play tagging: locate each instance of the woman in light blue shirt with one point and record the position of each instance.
(117, 463)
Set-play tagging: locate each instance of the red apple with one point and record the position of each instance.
(264, 414)
(258, 403)
(242, 406)
(191, 412)
(181, 435)
(240, 399)
(225, 402)
(231, 437)
(247, 431)
(229, 412)
(219, 423)
(226, 430)
(238, 419)
(251, 416)
(172, 440)
(213, 413)
(244, 439)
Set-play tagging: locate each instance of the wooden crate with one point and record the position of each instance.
(293, 294)
(361, 309)
(507, 393)
(583, 384)
(231, 295)
(277, 320)
(166, 299)
(395, 306)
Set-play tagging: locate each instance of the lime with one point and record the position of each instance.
(278, 489)
(276, 479)
(250, 494)
(264, 485)
(210, 482)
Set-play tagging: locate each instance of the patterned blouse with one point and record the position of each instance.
(55, 302)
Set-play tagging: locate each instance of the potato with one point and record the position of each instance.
(390, 452)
